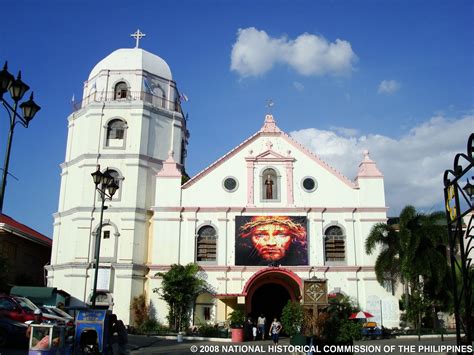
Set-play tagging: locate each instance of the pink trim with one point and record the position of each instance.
(261, 269)
(268, 130)
(270, 156)
(340, 209)
(269, 125)
(318, 160)
(270, 210)
(368, 168)
(221, 160)
(265, 273)
(250, 187)
(372, 209)
(289, 188)
(170, 168)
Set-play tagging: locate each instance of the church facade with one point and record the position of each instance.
(259, 221)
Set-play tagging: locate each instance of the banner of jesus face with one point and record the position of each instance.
(271, 240)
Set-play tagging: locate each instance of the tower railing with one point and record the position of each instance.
(131, 96)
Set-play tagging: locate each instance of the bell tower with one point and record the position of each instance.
(128, 121)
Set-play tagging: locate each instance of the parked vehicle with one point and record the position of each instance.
(12, 332)
(16, 308)
(59, 312)
(52, 314)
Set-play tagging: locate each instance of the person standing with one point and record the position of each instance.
(275, 329)
(261, 325)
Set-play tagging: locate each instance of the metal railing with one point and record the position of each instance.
(132, 96)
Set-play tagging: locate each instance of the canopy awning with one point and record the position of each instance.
(41, 295)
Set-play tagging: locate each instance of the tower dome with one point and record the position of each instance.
(133, 59)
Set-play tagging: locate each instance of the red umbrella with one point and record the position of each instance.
(361, 315)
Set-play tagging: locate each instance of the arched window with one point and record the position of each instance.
(115, 175)
(115, 133)
(121, 91)
(118, 180)
(270, 185)
(206, 245)
(334, 244)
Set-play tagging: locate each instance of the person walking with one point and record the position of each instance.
(261, 325)
(275, 329)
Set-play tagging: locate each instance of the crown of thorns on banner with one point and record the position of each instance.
(296, 230)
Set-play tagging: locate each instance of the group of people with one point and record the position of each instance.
(258, 329)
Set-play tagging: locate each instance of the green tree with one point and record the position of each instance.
(338, 328)
(292, 317)
(388, 262)
(416, 256)
(179, 289)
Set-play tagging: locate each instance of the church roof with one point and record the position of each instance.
(270, 129)
(133, 59)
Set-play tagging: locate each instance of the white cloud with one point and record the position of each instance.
(413, 165)
(298, 86)
(254, 53)
(344, 131)
(388, 87)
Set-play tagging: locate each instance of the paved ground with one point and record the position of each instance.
(153, 345)
(139, 344)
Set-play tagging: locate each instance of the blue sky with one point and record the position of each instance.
(403, 90)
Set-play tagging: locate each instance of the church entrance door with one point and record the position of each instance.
(269, 300)
(269, 290)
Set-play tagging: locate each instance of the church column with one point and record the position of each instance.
(250, 184)
(289, 187)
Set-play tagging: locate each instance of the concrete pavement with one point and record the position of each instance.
(154, 345)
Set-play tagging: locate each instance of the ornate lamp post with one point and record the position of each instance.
(17, 89)
(104, 183)
(459, 207)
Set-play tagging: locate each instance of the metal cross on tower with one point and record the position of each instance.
(269, 105)
(138, 36)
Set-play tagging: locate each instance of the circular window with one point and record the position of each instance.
(230, 184)
(309, 184)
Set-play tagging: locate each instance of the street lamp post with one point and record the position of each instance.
(17, 89)
(104, 183)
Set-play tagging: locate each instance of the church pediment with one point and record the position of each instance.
(270, 155)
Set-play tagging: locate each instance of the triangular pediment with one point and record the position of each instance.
(269, 132)
(270, 155)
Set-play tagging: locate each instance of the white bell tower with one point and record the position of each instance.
(129, 118)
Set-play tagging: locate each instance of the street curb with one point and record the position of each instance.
(173, 337)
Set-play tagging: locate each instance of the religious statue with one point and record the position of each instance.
(269, 187)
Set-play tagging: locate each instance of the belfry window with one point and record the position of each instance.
(121, 91)
(334, 244)
(206, 244)
(115, 129)
(115, 133)
(270, 184)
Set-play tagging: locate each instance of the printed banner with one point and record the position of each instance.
(271, 240)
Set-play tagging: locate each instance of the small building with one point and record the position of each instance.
(26, 250)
